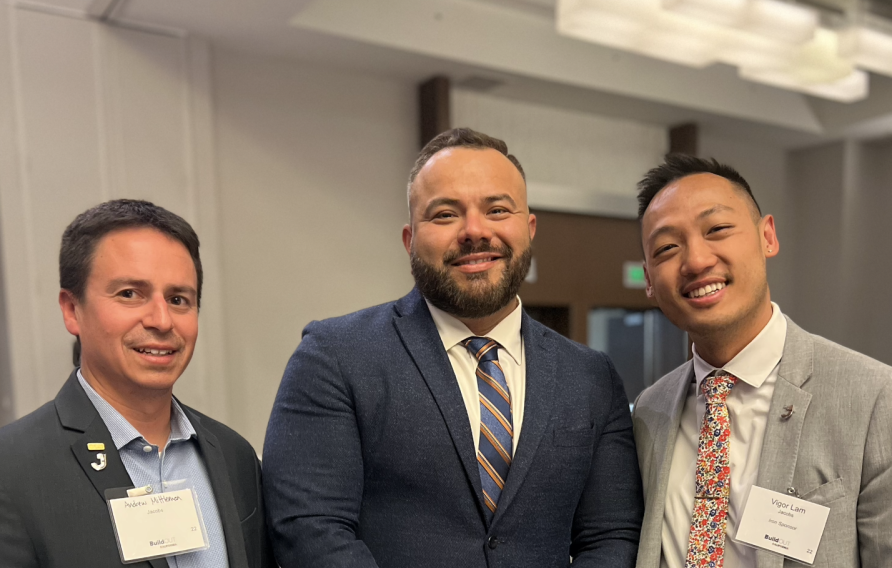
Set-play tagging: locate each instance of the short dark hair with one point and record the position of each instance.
(677, 166)
(461, 138)
(81, 237)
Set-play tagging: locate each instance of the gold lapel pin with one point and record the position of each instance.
(102, 462)
(788, 412)
(96, 447)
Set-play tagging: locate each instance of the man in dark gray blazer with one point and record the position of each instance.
(448, 429)
(131, 277)
(804, 417)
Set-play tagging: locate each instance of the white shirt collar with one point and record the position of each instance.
(507, 332)
(756, 361)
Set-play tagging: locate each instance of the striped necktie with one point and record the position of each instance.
(706, 545)
(496, 427)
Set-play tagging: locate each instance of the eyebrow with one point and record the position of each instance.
(455, 202)
(181, 290)
(501, 197)
(142, 284)
(718, 208)
(127, 282)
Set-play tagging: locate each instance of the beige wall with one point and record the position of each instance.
(97, 113)
(843, 196)
(294, 178)
(312, 170)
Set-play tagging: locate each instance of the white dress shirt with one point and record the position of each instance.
(511, 358)
(748, 403)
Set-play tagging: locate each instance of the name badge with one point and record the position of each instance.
(154, 526)
(783, 524)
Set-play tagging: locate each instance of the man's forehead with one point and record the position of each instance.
(135, 250)
(693, 194)
(454, 170)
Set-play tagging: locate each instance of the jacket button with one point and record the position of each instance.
(493, 542)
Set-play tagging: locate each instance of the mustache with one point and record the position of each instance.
(470, 248)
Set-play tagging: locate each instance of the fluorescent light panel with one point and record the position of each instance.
(868, 48)
(750, 34)
(771, 19)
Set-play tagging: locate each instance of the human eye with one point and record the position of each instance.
(127, 294)
(444, 215)
(180, 301)
(499, 210)
(718, 229)
(662, 249)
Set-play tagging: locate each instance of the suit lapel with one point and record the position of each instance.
(77, 413)
(540, 380)
(419, 334)
(780, 448)
(215, 464)
(664, 432)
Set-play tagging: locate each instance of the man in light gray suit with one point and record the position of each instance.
(763, 403)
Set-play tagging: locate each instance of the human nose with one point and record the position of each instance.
(476, 228)
(158, 315)
(699, 258)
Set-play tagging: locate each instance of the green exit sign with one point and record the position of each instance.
(633, 275)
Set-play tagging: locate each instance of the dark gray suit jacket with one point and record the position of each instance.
(835, 450)
(53, 513)
(369, 459)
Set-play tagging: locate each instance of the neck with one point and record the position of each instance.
(149, 412)
(482, 326)
(718, 347)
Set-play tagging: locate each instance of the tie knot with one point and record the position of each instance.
(717, 386)
(482, 348)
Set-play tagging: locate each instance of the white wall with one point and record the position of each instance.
(574, 161)
(843, 195)
(293, 177)
(97, 113)
(312, 172)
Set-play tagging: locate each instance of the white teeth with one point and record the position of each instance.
(155, 351)
(706, 290)
(478, 261)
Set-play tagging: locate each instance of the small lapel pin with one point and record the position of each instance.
(788, 412)
(96, 447)
(102, 462)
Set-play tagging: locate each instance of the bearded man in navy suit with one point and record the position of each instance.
(448, 429)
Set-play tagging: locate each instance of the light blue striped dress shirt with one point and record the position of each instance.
(179, 467)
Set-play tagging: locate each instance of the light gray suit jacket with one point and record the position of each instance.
(835, 450)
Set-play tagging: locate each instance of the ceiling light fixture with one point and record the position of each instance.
(770, 41)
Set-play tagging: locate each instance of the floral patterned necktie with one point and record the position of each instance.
(706, 545)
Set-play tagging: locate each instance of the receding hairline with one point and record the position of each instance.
(451, 150)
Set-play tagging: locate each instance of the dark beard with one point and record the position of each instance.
(482, 299)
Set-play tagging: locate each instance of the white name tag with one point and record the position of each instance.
(782, 524)
(153, 526)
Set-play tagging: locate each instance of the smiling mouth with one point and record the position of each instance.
(476, 261)
(707, 290)
(155, 351)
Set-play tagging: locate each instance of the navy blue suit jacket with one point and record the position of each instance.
(369, 459)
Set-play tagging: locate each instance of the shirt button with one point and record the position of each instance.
(493, 542)
(147, 449)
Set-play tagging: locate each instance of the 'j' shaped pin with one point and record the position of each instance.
(102, 462)
(788, 412)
